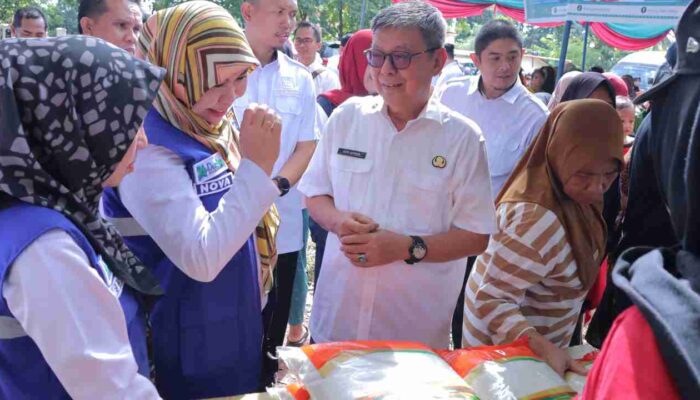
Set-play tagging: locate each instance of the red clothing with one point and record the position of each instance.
(595, 295)
(630, 365)
(618, 84)
(351, 68)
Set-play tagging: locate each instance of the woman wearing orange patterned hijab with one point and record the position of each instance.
(192, 212)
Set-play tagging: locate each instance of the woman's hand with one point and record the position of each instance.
(557, 358)
(260, 136)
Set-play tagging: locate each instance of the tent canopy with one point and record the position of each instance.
(622, 36)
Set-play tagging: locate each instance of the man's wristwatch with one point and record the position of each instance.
(282, 184)
(417, 251)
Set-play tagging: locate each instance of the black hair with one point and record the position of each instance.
(314, 29)
(550, 78)
(597, 68)
(450, 49)
(541, 72)
(95, 8)
(345, 38)
(287, 49)
(29, 13)
(494, 30)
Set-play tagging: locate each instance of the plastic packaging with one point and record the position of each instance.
(585, 354)
(373, 370)
(507, 372)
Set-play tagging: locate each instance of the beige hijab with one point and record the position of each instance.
(576, 133)
(559, 90)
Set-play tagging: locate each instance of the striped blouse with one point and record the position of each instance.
(526, 279)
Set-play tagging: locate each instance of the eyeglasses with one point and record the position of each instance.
(399, 59)
(303, 41)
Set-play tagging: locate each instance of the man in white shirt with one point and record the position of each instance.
(397, 180)
(307, 42)
(507, 113)
(285, 86)
(451, 69)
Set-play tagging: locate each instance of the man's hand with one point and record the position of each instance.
(350, 223)
(375, 248)
(260, 136)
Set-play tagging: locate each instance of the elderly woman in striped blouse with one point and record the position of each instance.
(535, 274)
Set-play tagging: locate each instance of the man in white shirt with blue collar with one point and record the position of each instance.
(398, 181)
(508, 114)
(285, 86)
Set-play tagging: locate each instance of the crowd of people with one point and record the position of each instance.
(160, 178)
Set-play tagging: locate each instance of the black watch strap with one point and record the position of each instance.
(282, 184)
(417, 251)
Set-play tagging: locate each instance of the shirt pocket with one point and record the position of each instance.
(288, 104)
(350, 177)
(421, 201)
(504, 154)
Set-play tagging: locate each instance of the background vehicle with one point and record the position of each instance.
(642, 66)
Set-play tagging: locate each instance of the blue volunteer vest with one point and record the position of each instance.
(207, 337)
(24, 374)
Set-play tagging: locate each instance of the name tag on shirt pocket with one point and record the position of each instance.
(352, 153)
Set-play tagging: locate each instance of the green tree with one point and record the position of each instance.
(8, 8)
(328, 14)
(62, 14)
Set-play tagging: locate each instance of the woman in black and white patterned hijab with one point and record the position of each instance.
(69, 109)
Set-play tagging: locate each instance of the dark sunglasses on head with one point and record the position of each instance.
(399, 59)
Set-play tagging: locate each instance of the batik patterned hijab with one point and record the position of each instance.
(70, 109)
(192, 40)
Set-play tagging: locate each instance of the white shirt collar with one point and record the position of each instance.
(432, 110)
(318, 62)
(510, 96)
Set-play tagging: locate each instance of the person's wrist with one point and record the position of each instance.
(402, 247)
(265, 166)
(336, 221)
(537, 342)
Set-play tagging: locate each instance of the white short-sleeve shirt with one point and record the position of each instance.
(429, 177)
(509, 123)
(286, 86)
(325, 80)
(450, 71)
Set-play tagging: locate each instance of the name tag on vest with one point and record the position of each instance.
(215, 186)
(209, 168)
(114, 284)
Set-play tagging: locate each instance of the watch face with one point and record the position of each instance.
(418, 252)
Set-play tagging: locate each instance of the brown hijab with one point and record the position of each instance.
(576, 133)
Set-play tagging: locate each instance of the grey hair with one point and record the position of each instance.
(412, 15)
